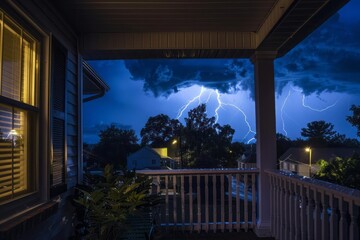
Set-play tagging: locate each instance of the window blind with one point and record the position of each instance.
(13, 164)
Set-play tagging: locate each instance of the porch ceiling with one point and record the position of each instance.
(191, 28)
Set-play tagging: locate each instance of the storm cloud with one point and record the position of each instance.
(164, 77)
(327, 61)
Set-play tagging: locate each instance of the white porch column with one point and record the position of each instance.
(265, 134)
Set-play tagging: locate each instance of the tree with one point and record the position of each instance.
(198, 133)
(160, 130)
(341, 171)
(318, 132)
(355, 118)
(206, 144)
(115, 145)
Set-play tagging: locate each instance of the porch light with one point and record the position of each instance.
(174, 142)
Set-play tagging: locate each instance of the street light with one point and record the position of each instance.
(180, 150)
(309, 150)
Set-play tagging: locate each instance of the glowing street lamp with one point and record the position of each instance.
(180, 150)
(309, 150)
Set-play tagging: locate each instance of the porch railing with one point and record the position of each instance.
(305, 208)
(206, 199)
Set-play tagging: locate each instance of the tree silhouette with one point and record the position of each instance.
(160, 130)
(355, 118)
(115, 145)
(207, 144)
(318, 132)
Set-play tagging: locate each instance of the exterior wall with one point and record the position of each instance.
(72, 124)
(43, 19)
(143, 159)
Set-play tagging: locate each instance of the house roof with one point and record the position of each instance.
(93, 86)
(299, 155)
(191, 28)
(149, 150)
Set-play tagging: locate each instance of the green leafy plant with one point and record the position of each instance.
(109, 200)
(343, 171)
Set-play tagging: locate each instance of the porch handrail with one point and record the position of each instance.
(307, 208)
(206, 199)
(196, 171)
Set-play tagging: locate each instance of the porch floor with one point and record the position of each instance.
(209, 236)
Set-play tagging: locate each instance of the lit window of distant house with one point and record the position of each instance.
(18, 109)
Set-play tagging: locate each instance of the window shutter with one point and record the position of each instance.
(58, 166)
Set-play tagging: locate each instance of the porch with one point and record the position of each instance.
(224, 203)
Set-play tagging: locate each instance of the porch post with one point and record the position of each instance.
(265, 134)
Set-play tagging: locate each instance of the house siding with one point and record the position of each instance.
(72, 123)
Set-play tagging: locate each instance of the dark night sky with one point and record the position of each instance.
(317, 80)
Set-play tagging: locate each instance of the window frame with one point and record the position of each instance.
(33, 154)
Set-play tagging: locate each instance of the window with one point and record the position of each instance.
(18, 110)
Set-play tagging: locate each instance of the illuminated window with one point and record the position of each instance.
(18, 110)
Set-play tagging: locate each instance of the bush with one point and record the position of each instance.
(341, 171)
(107, 202)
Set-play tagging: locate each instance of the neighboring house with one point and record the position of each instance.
(297, 160)
(247, 160)
(149, 158)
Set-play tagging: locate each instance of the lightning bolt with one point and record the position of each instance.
(220, 105)
(282, 113)
(197, 97)
(317, 110)
(303, 104)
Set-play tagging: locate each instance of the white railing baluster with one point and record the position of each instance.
(198, 204)
(253, 197)
(182, 190)
(282, 210)
(310, 214)
(191, 212)
(230, 201)
(291, 211)
(317, 214)
(174, 201)
(167, 200)
(214, 203)
(297, 210)
(273, 204)
(246, 208)
(206, 203)
(354, 227)
(334, 225)
(287, 209)
(158, 184)
(237, 202)
(303, 214)
(277, 208)
(343, 225)
(222, 202)
(325, 217)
